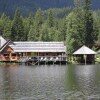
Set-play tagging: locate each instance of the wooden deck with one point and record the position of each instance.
(47, 60)
(40, 60)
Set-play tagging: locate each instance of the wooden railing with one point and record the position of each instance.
(43, 58)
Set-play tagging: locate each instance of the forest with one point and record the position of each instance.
(76, 26)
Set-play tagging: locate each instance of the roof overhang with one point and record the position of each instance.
(84, 51)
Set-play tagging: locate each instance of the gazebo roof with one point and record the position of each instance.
(84, 50)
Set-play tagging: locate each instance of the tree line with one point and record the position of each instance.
(75, 26)
(48, 25)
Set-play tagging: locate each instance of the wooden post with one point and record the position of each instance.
(45, 59)
(10, 57)
(38, 58)
(85, 58)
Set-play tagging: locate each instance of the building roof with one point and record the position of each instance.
(26, 46)
(2, 41)
(38, 47)
(6, 44)
(84, 50)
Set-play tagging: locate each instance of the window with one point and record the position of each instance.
(6, 54)
(14, 54)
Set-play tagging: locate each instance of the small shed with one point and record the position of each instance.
(85, 51)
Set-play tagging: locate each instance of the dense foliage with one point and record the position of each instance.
(82, 27)
(42, 26)
(76, 26)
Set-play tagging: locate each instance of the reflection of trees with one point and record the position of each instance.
(83, 80)
(70, 78)
(7, 82)
(86, 77)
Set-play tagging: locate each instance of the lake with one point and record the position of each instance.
(70, 82)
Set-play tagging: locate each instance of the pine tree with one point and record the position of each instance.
(73, 36)
(50, 19)
(7, 28)
(28, 23)
(75, 30)
(32, 34)
(38, 21)
(88, 24)
(80, 27)
(1, 28)
(63, 29)
(2, 23)
(96, 26)
(17, 29)
(44, 31)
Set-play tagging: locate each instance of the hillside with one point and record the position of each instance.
(26, 6)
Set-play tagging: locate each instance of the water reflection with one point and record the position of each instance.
(70, 78)
(7, 83)
(72, 82)
(83, 81)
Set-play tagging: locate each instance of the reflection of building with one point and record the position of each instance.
(13, 51)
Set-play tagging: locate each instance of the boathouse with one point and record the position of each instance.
(23, 50)
(85, 54)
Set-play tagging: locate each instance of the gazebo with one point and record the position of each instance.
(84, 51)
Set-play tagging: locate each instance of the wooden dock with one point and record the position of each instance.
(47, 60)
(40, 60)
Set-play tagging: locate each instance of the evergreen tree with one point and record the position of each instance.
(32, 34)
(44, 31)
(28, 23)
(7, 28)
(96, 26)
(75, 30)
(50, 19)
(38, 21)
(57, 36)
(1, 28)
(74, 36)
(54, 34)
(51, 34)
(88, 24)
(97, 22)
(17, 29)
(99, 31)
(2, 23)
(63, 29)
(80, 27)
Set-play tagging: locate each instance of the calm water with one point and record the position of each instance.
(71, 82)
